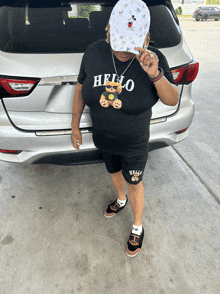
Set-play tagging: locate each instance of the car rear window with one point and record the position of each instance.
(69, 27)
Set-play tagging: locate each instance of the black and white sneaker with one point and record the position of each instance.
(113, 208)
(134, 244)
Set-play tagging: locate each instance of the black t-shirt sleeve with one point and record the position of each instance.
(84, 64)
(82, 72)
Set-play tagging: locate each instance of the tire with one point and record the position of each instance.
(216, 19)
(197, 19)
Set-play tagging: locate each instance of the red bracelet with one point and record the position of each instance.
(158, 77)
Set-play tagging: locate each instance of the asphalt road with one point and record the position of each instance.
(54, 238)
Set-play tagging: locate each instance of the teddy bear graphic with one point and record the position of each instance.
(135, 177)
(110, 96)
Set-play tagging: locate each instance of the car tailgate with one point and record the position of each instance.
(177, 57)
(49, 106)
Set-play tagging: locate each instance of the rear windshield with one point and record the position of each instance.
(71, 26)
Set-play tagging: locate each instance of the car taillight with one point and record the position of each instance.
(182, 131)
(9, 151)
(186, 74)
(199, 11)
(18, 86)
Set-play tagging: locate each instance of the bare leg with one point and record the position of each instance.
(136, 196)
(119, 184)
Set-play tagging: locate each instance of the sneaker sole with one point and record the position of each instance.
(132, 255)
(109, 216)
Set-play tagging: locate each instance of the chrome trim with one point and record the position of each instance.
(59, 133)
(59, 80)
(84, 131)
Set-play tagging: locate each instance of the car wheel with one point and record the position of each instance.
(198, 19)
(216, 19)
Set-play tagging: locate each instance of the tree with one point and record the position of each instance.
(85, 9)
(179, 10)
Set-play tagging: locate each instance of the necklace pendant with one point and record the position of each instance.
(119, 78)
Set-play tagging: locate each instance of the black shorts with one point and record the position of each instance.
(132, 166)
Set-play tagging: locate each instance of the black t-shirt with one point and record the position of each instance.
(120, 122)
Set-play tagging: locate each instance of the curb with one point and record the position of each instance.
(186, 18)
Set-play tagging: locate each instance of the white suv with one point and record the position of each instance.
(41, 47)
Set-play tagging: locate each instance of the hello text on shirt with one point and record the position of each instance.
(100, 80)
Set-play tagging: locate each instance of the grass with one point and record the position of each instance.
(213, 2)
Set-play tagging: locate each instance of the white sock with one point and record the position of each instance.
(137, 230)
(121, 202)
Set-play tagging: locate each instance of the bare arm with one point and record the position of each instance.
(167, 92)
(77, 110)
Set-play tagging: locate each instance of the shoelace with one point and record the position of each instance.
(134, 240)
(115, 207)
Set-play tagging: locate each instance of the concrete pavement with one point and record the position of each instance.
(201, 149)
(55, 239)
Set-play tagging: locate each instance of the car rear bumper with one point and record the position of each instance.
(57, 149)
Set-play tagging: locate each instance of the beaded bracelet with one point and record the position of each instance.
(158, 77)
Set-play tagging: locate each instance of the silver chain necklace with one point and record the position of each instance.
(118, 78)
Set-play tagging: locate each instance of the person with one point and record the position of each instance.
(120, 79)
